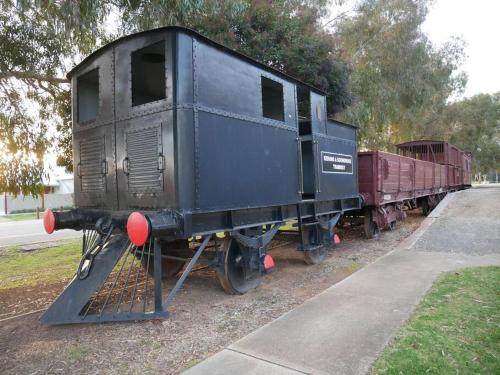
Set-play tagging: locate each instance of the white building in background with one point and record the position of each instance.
(59, 181)
(58, 191)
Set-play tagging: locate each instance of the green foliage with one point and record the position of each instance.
(454, 329)
(401, 81)
(64, 144)
(473, 124)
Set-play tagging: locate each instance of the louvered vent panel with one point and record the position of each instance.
(92, 155)
(143, 153)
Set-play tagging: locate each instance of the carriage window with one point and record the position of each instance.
(272, 99)
(87, 88)
(148, 74)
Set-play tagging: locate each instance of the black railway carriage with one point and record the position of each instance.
(196, 139)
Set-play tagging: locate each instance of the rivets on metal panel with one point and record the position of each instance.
(196, 159)
(195, 71)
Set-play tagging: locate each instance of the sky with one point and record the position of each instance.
(478, 23)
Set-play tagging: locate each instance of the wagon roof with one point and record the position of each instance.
(198, 36)
(421, 141)
(428, 141)
(425, 142)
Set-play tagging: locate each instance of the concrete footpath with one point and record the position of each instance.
(344, 329)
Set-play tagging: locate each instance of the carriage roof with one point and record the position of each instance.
(196, 35)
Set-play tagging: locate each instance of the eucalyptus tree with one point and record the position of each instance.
(473, 124)
(401, 81)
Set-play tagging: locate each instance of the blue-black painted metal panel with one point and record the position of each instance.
(337, 170)
(185, 158)
(145, 147)
(123, 73)
(94, 160)
(226, 83)
(93, 141)
(341, 130)
(244, 164)
(184, 70)
(144, 132)
(104, 64)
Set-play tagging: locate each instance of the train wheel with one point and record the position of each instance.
(315, 256)
(235, 278)
(169, 267)
(371, 228)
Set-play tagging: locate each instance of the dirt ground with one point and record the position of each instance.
(203, 318)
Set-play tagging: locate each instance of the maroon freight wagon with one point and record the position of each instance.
(420, 176)
(389, 182)
(457, 162)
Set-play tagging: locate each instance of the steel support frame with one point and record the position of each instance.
(254, 246)
(321, 223)
(160, 307)
(256, 242)
(184, 275)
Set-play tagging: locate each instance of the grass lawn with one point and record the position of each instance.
(23, 216)
(19, 269)
(454, 330)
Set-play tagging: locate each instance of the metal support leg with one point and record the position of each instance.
(157, 275)
(186, 272)
(299, 221)
(330, 224)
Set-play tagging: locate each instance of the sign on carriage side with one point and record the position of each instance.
(336, 163)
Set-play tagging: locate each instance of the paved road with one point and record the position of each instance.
(30, 231)
(345, 328)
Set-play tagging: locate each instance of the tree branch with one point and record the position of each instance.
(33, 76)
